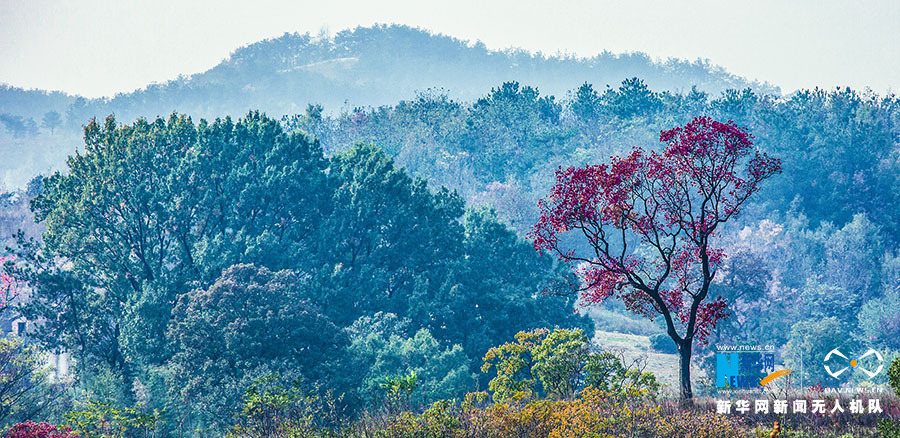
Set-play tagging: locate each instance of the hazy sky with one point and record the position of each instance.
(100, 48)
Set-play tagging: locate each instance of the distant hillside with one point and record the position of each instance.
(360, 67)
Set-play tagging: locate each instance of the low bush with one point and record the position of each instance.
(103, 420)
(699, 425)
(277, 407)
(30, 429)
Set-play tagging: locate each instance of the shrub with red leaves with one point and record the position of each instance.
(30, 429)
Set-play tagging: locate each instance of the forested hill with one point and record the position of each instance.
(360, 67)
(374, 66)
(384, 64)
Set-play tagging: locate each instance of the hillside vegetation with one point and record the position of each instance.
(363, 268)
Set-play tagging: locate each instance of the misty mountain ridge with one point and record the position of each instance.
(371, 66)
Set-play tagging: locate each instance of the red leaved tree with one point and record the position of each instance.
(650, 222)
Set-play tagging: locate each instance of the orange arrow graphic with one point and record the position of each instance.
(773, 376)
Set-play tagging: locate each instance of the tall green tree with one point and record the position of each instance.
(51, 121)
(511, 129)
(153, 209)
(250, 323)
(389, 237)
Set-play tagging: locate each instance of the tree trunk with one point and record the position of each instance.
(684, 354)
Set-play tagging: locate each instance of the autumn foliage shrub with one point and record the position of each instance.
(30, 429)
(503, 419)
(595, 413)
(441, 420)
(699, 425)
